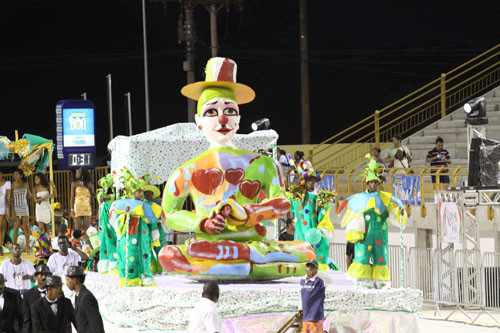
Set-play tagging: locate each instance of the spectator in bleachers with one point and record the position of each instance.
(401, 161)
(17, 271)
(391, 152)
(376, 154)
(439, 157)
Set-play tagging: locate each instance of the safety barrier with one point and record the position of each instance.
(337, 254)
(394, 262)
(491, 269)
(421, 271)
(464, 278)
(469, 277)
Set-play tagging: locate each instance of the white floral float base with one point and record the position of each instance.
(167, 306)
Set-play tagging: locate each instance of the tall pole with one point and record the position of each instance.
(110, 106)
(145, 47)
(189, 63)
(128, 105)
(213, 30)
(304, 75)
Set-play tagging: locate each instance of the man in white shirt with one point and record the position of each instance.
(60, 261)
(17, 271)
(204, 317)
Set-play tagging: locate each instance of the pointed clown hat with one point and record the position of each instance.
(220, 81)
(306, 171)
(372, 170)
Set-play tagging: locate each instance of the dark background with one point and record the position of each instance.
(363, 56)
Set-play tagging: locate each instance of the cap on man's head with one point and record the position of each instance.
(313, 263)
(75, 271)
(42, 269)
(53, 280)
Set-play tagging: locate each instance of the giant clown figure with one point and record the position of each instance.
(224, 184)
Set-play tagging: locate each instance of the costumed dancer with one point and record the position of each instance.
(311, 209)
(224, 183)
(108, 255)
(151, 195)
(366, 223)
(137, 233)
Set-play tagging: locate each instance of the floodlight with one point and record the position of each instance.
(476, 111)
(261, 124)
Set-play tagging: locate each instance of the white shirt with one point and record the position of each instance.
(2, 302)
(53, 305)
(58, 263)
(14, 274)
(204, 318)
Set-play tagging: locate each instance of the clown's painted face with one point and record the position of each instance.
(219, 120)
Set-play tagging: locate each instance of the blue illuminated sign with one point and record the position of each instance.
(78, 127)
(75, 134)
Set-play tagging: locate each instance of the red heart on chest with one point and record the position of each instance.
(250, 188)
(235, 176)
(207, 181)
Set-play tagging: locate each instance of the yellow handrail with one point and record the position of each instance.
(417, 109)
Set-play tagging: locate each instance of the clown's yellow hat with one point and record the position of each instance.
(220, 72)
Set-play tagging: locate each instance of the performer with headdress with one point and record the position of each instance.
(311, 209)
(224, 183)
(108, 255)
(366, 223)
(137, 233)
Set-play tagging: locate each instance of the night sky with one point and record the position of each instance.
(363, 56)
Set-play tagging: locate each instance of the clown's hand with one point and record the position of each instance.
(237, 214)
(215, 224)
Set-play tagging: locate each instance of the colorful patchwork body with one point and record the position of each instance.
(135, 243)
(108, 256)
(366, 223)
(307, 226)
(230, 177)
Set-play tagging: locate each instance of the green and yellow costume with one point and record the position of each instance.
(366, 223)
(137, 234)
(312, 215)
(108, 255)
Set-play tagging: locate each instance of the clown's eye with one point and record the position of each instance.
(230, 112)
(210, 113)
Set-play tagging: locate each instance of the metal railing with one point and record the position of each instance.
(412, 112)
(345, 183)
(420, 271)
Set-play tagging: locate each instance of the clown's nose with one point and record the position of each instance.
(223, 119)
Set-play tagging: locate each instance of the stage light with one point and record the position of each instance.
(261, 124)
(476, 111)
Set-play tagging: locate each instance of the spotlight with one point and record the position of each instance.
(476, 111)
(261, 124)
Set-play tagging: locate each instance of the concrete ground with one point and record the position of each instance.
(458, 322)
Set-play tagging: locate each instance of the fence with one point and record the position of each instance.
(464, 278)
